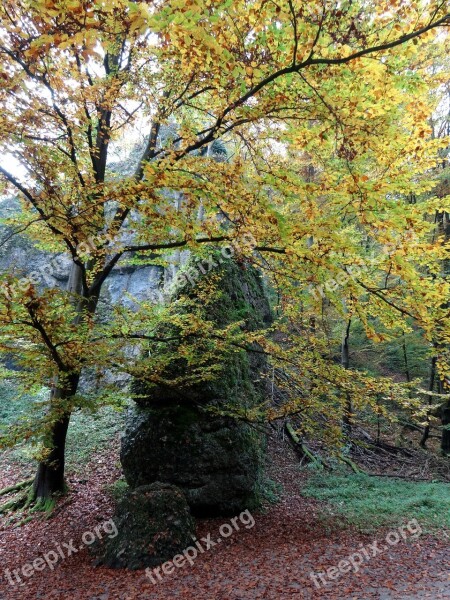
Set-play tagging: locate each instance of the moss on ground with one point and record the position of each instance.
(371, 502)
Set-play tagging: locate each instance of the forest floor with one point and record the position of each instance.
(275, 559)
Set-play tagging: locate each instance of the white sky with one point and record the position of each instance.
(12, 165)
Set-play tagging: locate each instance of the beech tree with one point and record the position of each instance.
(323, 106)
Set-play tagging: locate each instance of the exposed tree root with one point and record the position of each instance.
(303, 450)
(15, 504)
(27, 500)
(16, 487)
(45, 505)
(351, 464)
(24, 521)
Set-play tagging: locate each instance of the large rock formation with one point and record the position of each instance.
(173, 434)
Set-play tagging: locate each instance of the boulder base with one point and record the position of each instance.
(153, 523)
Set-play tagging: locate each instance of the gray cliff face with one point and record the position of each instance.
(21, 258)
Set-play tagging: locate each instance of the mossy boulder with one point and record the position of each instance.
(217, 462)
(186, 434)
(153, 524)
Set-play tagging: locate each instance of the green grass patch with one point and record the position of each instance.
(117, 489)
(371, 502)
(14, 406)
(90, 433)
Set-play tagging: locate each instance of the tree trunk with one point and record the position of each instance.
(49, 478)
(445, 410)
(345, 361)
(405, 358)
(445, 440)
(426, 432)
(445, 419)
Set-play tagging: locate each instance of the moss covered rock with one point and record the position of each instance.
(180, 434)
(153, 524)
(217, 462)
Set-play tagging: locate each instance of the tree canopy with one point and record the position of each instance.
(323, 109)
